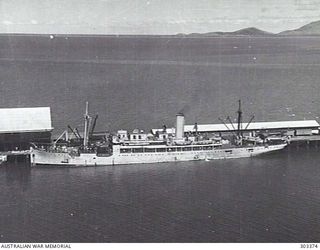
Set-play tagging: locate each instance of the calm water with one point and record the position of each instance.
(144, 82)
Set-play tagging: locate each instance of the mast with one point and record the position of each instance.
(86, 126)
(239, 119)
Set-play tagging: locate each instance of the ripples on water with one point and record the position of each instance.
(143, 82)
(271, 198)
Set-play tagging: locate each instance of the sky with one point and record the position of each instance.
(153, 16)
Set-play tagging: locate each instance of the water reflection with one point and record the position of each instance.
(273, 197)
(17, 174)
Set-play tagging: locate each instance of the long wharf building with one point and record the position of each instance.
(293, 128)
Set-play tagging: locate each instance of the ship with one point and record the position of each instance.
(140, 147)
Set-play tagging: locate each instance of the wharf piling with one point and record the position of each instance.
(304, 141)
(17, 156)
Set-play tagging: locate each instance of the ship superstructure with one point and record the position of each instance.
(141, 147)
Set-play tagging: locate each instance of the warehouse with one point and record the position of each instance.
(21, 126)
(292, 128)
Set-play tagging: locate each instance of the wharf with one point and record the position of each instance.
(17, 155)
(16, 152)
(306, 140)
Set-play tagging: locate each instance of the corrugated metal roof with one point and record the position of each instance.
(15, 120)
(252, 126)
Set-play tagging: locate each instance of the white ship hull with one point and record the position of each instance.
(41, 157)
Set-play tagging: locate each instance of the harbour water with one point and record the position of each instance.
(143, 82)
(270, 198)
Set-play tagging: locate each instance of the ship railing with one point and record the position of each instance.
(41, 146)
(173, 148)
(72, 150)
(54, 148)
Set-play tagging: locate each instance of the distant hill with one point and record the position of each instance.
(252, 31)
(311, 29)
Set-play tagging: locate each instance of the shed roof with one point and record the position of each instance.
(252, 126)
(18, 120)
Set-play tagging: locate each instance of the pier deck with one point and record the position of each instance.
(16, 156)
(18, 152)
(304, 138)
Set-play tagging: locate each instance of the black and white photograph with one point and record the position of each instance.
(159, 121)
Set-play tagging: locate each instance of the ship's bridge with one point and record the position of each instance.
(138, 135)
(122, 134)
